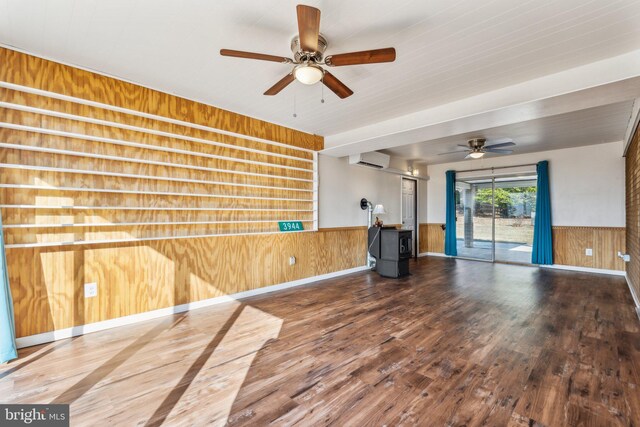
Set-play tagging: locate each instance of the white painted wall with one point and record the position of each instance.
(587, 184)
(341, 186)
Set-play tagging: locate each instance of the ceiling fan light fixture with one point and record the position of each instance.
(308, 74)
(308, 48)
(476, 154)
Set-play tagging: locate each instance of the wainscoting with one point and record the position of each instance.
(159, 200)
(48, 283)
(569, 244)
(431, 238)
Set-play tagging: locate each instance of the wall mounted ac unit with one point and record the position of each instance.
(372, 159)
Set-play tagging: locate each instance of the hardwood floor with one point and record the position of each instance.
(457, 343)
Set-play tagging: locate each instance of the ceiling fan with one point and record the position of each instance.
(476, 148)
(308, 48)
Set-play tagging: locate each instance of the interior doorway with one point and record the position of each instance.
(494, 218)
(409, 210)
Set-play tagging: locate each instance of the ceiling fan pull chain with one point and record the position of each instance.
(322, 90)
(294, 104)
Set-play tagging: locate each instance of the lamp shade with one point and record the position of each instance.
(379, 210)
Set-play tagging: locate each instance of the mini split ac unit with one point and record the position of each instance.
(371, 160)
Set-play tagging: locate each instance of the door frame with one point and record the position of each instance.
(493, 228)
(416, 226)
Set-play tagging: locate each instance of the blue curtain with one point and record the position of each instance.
(542, 241)
(7, 328)
(450, 244)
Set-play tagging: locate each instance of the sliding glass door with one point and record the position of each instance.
(494, 218)
(474, 219)
(515, 204)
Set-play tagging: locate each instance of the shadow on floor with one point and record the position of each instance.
(167, 405)
(74, 392)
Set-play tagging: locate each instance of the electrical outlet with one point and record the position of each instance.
(292, 260)
(588, 252)
(90, 290)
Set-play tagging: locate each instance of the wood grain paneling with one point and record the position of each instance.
(141, 168)
(45, 124)
(58, 148)
(431, 238)
(632, 178)
(26, 70)
(48, 197)
(424, 235)
(16, 217)
(20, 100)
(570, 244)
(47, 283)
(178, 153)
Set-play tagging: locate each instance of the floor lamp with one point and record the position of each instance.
(368, 206)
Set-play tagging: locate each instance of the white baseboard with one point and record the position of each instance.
(74, 331)
(636, 299)
(585, 269)
(433, 254)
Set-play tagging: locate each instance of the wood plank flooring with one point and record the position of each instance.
(456, 343)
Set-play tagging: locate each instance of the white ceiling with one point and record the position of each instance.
(585, 127)
(547, 73)
(447, 50)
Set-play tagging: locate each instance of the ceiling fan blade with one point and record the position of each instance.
(453, 152)
(336, 85)
(497, 151)
(308, 27)
(284, 82)
(499, 140)
(363, 57)
(252, 55)
(503, 144)
(464, 146)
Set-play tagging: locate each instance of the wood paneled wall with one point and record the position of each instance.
(569, 244)
(431, 238)
(131, 174)
(47, 283)
(55, 151)
(632, 178)
(21, 69)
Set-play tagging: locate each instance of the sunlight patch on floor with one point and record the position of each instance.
(222, 376)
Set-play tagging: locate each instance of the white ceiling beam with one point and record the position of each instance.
(600, 83)
(632, 125)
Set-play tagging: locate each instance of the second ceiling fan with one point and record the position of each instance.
(476, 148)
(308, 49)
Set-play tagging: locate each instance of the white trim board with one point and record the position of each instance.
(585, 269)
(74, 331)
(438, 254)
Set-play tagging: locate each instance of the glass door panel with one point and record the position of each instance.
(474, 219)
(515, 204)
